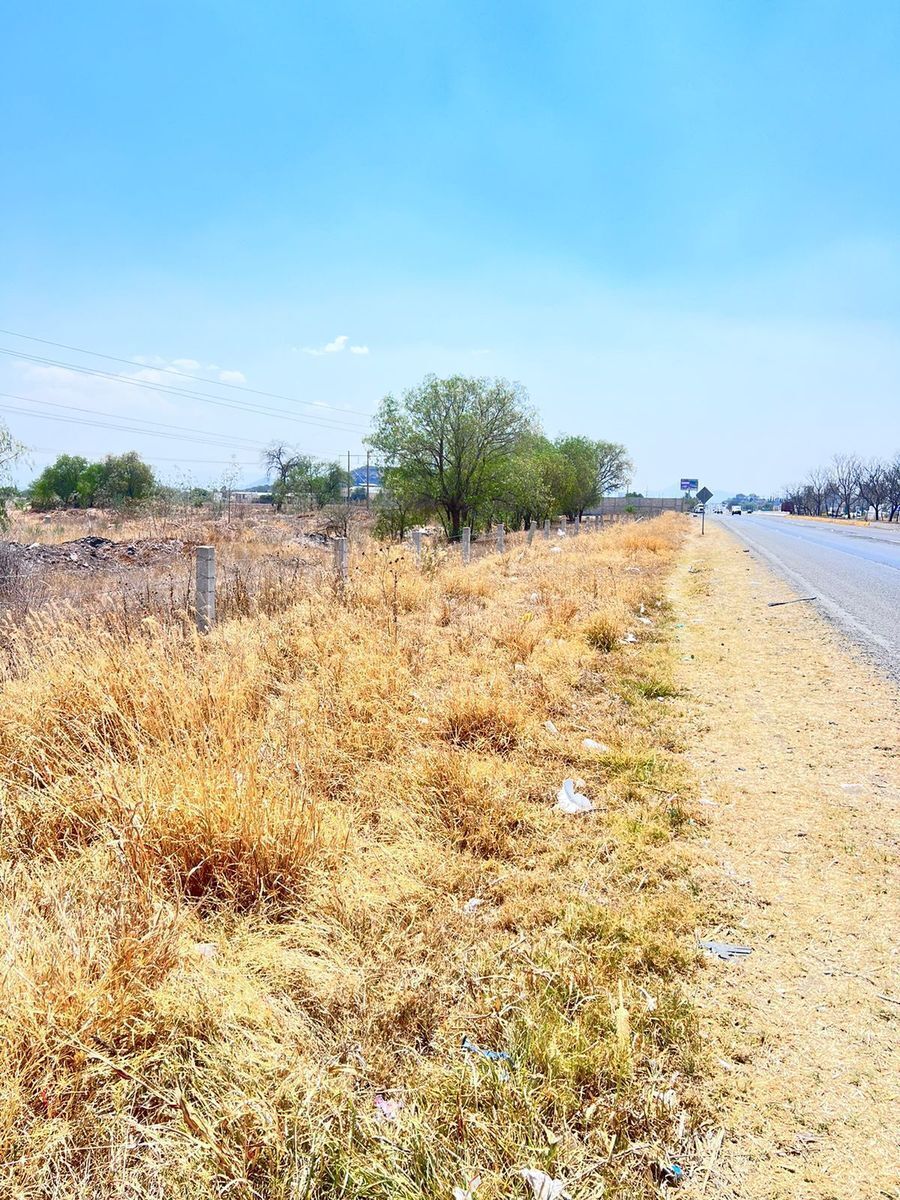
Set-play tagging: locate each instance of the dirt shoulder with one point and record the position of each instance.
(797, 746)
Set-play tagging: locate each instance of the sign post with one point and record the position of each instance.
(704, 496)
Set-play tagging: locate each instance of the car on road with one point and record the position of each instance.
(698, 511)
(736, 510)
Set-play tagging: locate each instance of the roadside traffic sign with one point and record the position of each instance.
(704, 494)
(689, 485)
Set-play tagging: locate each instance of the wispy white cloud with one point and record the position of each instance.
(338, 346)
(232, 377)
(185, 364)
(335, 347)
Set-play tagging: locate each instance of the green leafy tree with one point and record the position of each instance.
(58, 483)
(451, 440)
(90, 485)
(537, 476)
(598, 467)
(398, 506)
(127, 479)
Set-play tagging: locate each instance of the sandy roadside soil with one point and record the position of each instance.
(797, 746)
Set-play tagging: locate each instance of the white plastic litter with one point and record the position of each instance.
(550, 727)
(468, 1192)
(543, 1187)
(600, 747)
(207, 949)
(629, 637)
(388, 1110)
(645, 620)
(570, 801)
(555, 549)
(472, 905)
(535, 596)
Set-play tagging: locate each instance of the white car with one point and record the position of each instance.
(736, 510)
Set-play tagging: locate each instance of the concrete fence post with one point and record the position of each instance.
(531, 528)
(205, 596)
(576, 527)
(466, 544)
(342, 559)
(417, 545)
(562, 525)
(501, 538)
(546, 528)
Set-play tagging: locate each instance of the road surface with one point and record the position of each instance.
(853, 570)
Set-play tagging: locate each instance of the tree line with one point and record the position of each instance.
(849, 484)
(460, 451)
(74, 482)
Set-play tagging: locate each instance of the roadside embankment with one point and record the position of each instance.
(797, 744)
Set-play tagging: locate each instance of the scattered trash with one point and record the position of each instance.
(534, 597)
(799, 600)
(468, 1192)
(494, 1055)
(519, 667)
(543, 1187)
(570, 801)
(423, 720)
(670, 1173)
(725, 950)
(709, 803)
(600, 747)
(680, 625)
(629, 637)
(388, 1110)
(472, 905)
(645, 620)
(550, 727)
(649, 1000)
(207, 949)
(555, 549)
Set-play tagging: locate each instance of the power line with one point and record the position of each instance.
(167, 390)
(204, 439)
(223, 439)
(184, 375)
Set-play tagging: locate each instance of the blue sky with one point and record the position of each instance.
(677, 223)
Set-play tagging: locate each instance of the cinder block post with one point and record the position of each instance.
(532, 525)
(501, 538)
(417, 545)
(342, 559)
(205, 597)
(546, 528)
(466, 544)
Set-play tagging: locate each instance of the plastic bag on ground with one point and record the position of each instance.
(468, 1192)
(543, 1187)
(570, 801)
(600, 747)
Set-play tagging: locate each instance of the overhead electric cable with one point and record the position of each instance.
(168, 390)
(131, 362)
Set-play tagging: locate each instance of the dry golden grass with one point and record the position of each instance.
(236, 875)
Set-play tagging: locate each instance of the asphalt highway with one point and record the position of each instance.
(852, 570)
